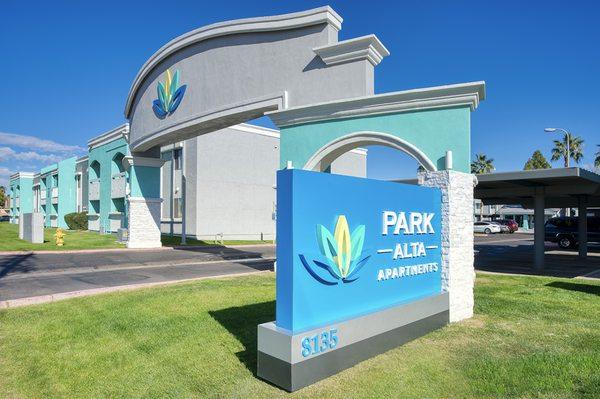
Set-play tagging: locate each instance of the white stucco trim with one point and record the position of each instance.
(463, 94)
(129, 161)
(332, 150)
(111, 135)
(20, 175)
(145, 200)
(365, 47)
(263, 131)
(295, 20)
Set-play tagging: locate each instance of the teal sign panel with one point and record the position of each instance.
(351, 246)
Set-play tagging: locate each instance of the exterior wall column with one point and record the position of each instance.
(458, 272)
(144, 201)
(582, 226)
(539, 229)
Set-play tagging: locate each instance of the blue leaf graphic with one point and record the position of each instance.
(357, 240)
(327, 243)
(330, 269)
(177, 97)
(158, 110)
(356, 269)
(174, 83)
(315, 275)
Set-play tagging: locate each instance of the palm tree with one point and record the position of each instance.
(597, 160)
(560, 149)
(482, 164)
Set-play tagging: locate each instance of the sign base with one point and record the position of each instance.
(293, 361)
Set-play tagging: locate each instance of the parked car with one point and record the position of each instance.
(4, 218)
(511, 224)
(486, 227)
(503, 228)
(565, 230)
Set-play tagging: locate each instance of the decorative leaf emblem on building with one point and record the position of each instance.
(341, 253)
(170, 95)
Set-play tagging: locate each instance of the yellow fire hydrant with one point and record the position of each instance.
(59, 236)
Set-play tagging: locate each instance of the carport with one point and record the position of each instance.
(540, 189)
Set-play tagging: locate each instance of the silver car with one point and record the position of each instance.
(486, 227)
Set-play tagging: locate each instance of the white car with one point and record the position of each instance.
(486, 227)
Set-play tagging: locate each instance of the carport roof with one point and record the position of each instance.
(561, 187)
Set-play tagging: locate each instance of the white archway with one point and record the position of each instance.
(332, 150)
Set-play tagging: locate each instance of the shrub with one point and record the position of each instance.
(77, 220)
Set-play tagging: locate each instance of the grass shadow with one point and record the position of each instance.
(242, 322)
(586, 288)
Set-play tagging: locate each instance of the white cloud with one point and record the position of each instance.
(7, 153)
(20, 140)
(4, 176)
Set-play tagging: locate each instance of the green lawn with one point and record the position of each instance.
(531, 338)
(9, 240)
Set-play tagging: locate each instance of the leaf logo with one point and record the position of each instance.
(170, 95)
(341, 251)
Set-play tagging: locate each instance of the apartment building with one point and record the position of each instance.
(220, 185)
(20, 188)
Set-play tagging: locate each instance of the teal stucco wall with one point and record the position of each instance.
(67, 190)
(106, 206)
(431, 131)
(21, 187)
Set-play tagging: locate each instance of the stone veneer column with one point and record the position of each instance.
(458, 273)
(144, 201)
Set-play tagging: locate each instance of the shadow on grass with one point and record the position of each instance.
(586, 288)
(242, 323)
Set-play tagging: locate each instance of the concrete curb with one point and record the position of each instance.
(91, 251)
(36, 300)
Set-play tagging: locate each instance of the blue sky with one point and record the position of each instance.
(67, 66)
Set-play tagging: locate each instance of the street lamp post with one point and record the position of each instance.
(567, 135)
(567, 152)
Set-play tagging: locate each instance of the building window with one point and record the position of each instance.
(177, 208)
(177, 159)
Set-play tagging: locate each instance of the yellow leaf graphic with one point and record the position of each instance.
(344, 249)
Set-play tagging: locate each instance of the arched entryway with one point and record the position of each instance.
(325, 155)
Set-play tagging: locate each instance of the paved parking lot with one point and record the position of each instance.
(513, 253)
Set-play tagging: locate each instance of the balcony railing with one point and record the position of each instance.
(43, 200)
(93, 222)
(17, 202)
(94, 190)
(115, 220)
(118, 185)
(54, 195)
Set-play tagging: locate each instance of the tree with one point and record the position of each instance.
(537, 161)
(482, 164)
(597, 160)
(2, 196)
(560, 149)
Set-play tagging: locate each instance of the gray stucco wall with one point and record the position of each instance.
(235, 77)
(231, 183)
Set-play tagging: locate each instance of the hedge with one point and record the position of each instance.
(77, 220)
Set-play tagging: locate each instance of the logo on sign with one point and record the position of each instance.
(341, 254)
(170, 95)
